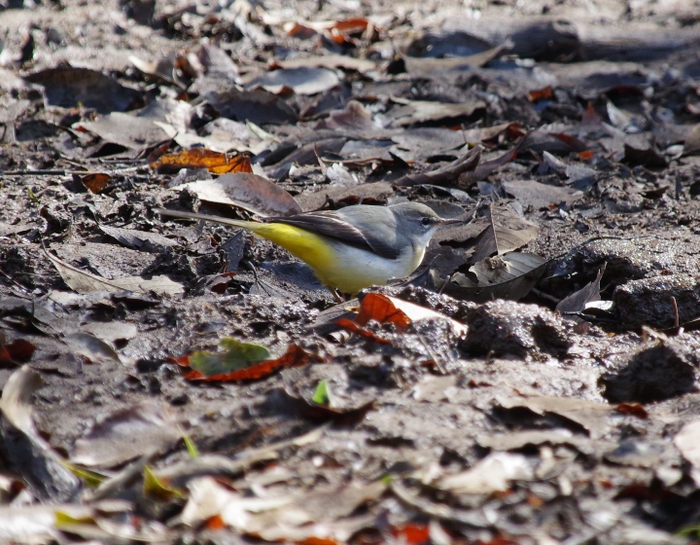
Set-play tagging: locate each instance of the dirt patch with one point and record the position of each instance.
(546, 392)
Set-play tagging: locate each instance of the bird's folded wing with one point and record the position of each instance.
(330, 225)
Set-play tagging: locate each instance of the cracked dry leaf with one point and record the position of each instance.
(291, 516)
(506, 267)
(506, 231)
(420, 111)
(247, 191)
(83, 282)
(591, 416)
(508, 276)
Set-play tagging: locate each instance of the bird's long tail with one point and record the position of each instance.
(204, 217)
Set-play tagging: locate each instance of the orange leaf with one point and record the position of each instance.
(376, 306)
(215, 523)
(353, 327)
(294, 357)
(318, 541)
(96, 183)
(350, 26)
(412, 533)
(632, 409)
(218, 163)
(541, 94)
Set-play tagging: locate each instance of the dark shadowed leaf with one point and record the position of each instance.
(462, 287)
(258, 106)
(578, 300)
(70, 87)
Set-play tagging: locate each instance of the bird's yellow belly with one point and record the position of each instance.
(344, 267)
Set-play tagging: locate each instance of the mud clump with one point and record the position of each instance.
(652, 374)
(507, 328)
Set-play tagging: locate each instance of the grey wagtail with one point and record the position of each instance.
(351, 248)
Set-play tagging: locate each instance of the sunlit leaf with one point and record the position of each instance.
(294, 357)
(64, 519)
(218, 163)
(153, 487)
(235, 356)
(90, 478)
(321, 393)
(192, 449)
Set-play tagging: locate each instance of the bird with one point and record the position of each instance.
(351, 248)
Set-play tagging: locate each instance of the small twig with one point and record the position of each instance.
(676, 315)
(433, 355)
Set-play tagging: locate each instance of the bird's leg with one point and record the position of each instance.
(336, 295)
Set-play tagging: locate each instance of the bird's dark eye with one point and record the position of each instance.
(426, 221)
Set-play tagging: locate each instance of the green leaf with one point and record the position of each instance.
(88, 477)
(153, 487)
(322, 393)
(189, 444)
(64, 520)
(237, 355)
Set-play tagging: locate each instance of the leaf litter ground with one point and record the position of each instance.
(547, 394)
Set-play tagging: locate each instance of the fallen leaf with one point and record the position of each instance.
(507, 231)
(385, 309)
(247, 191)
(420, 111)
(125, 435)
(83, 282)
(91, 348)
(462, 287)
(294, 357)
(235, 356)
(96, 182)
(541, 94)
(577, 301)
(589, 415)
(130, 131)
(15, 353)
(505, 267)
(302, 80)
(68, 87)
(541, 196)
(138, 240)
(293, 516)
(26, 452)
(492, 474)
(687, 441)
(330, 61)
(214, 161)
(258, 106)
